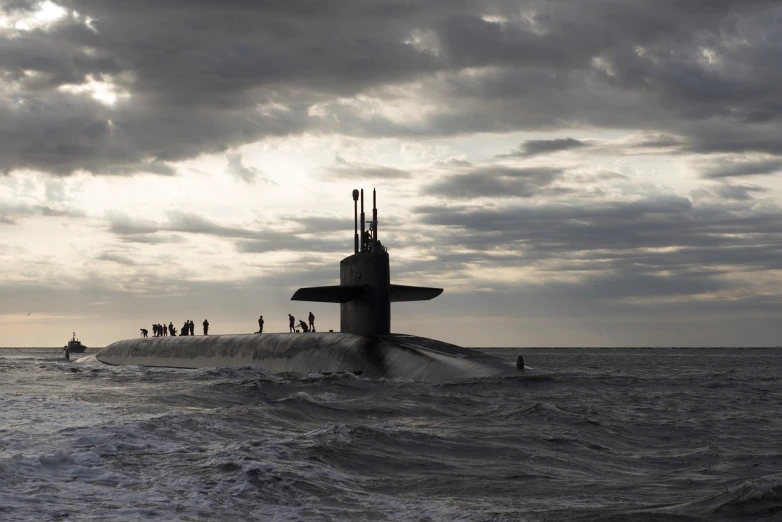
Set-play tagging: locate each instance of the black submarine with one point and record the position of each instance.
(364, 346)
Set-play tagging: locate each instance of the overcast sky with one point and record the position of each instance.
(572, 172)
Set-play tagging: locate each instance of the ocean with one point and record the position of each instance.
(604, 434)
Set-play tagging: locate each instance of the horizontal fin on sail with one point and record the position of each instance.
(329, 294)
(401, 293)
(346, 293)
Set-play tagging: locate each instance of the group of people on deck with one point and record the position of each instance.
(161, 330)
(302, 326)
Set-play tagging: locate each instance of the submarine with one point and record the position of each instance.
(364, 346)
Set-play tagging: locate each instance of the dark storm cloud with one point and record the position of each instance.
(660, 244)
(739, 192)
(207, 76)
(661, 141)
(201, 77)
(533, 147)
(116, 258)
(502, 182)
(123, 225)
(13, 6)
(60, 212)
(745, 168)
(237, 168)
(153, 239)
(11, 212)
(309, 234)
(657, 65)
(183, 222)
(596, 176)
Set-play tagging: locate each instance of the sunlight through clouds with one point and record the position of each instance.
(47, 14)
(103, 90)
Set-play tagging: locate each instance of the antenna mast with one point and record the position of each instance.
(355, 221)
(373, 223)
(363, 225)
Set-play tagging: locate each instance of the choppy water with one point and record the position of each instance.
(611, 434)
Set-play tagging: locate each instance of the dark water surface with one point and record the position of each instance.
(610, 434)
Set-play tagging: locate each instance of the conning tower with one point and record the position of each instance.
(365, 292)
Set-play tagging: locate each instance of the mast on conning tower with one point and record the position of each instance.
(365, 292)
(355, 221)
(373, 223)
(368, 242)
(363, 229)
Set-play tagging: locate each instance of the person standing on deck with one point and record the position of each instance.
(292, 323)
(206, 327)
(260, 324)
(312, 321)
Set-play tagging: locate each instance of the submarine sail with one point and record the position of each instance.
(365, 292)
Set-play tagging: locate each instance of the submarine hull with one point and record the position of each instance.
(390, 356)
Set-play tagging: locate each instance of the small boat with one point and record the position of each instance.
(74, 345)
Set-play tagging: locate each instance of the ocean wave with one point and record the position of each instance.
(761, 497)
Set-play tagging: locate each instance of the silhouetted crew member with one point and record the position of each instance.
(154, 330)
(291, 323)
(186, 329)
(171, 328)
(144, 332)
(192, 327)
(260, 324)
(206, 327)
(165, 331)
(303, 325)
(312, 321)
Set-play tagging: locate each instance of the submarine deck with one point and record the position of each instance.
(393, 356)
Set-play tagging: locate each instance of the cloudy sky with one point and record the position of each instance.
(572, 172)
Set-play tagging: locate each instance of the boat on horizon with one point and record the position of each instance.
(74, 345)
